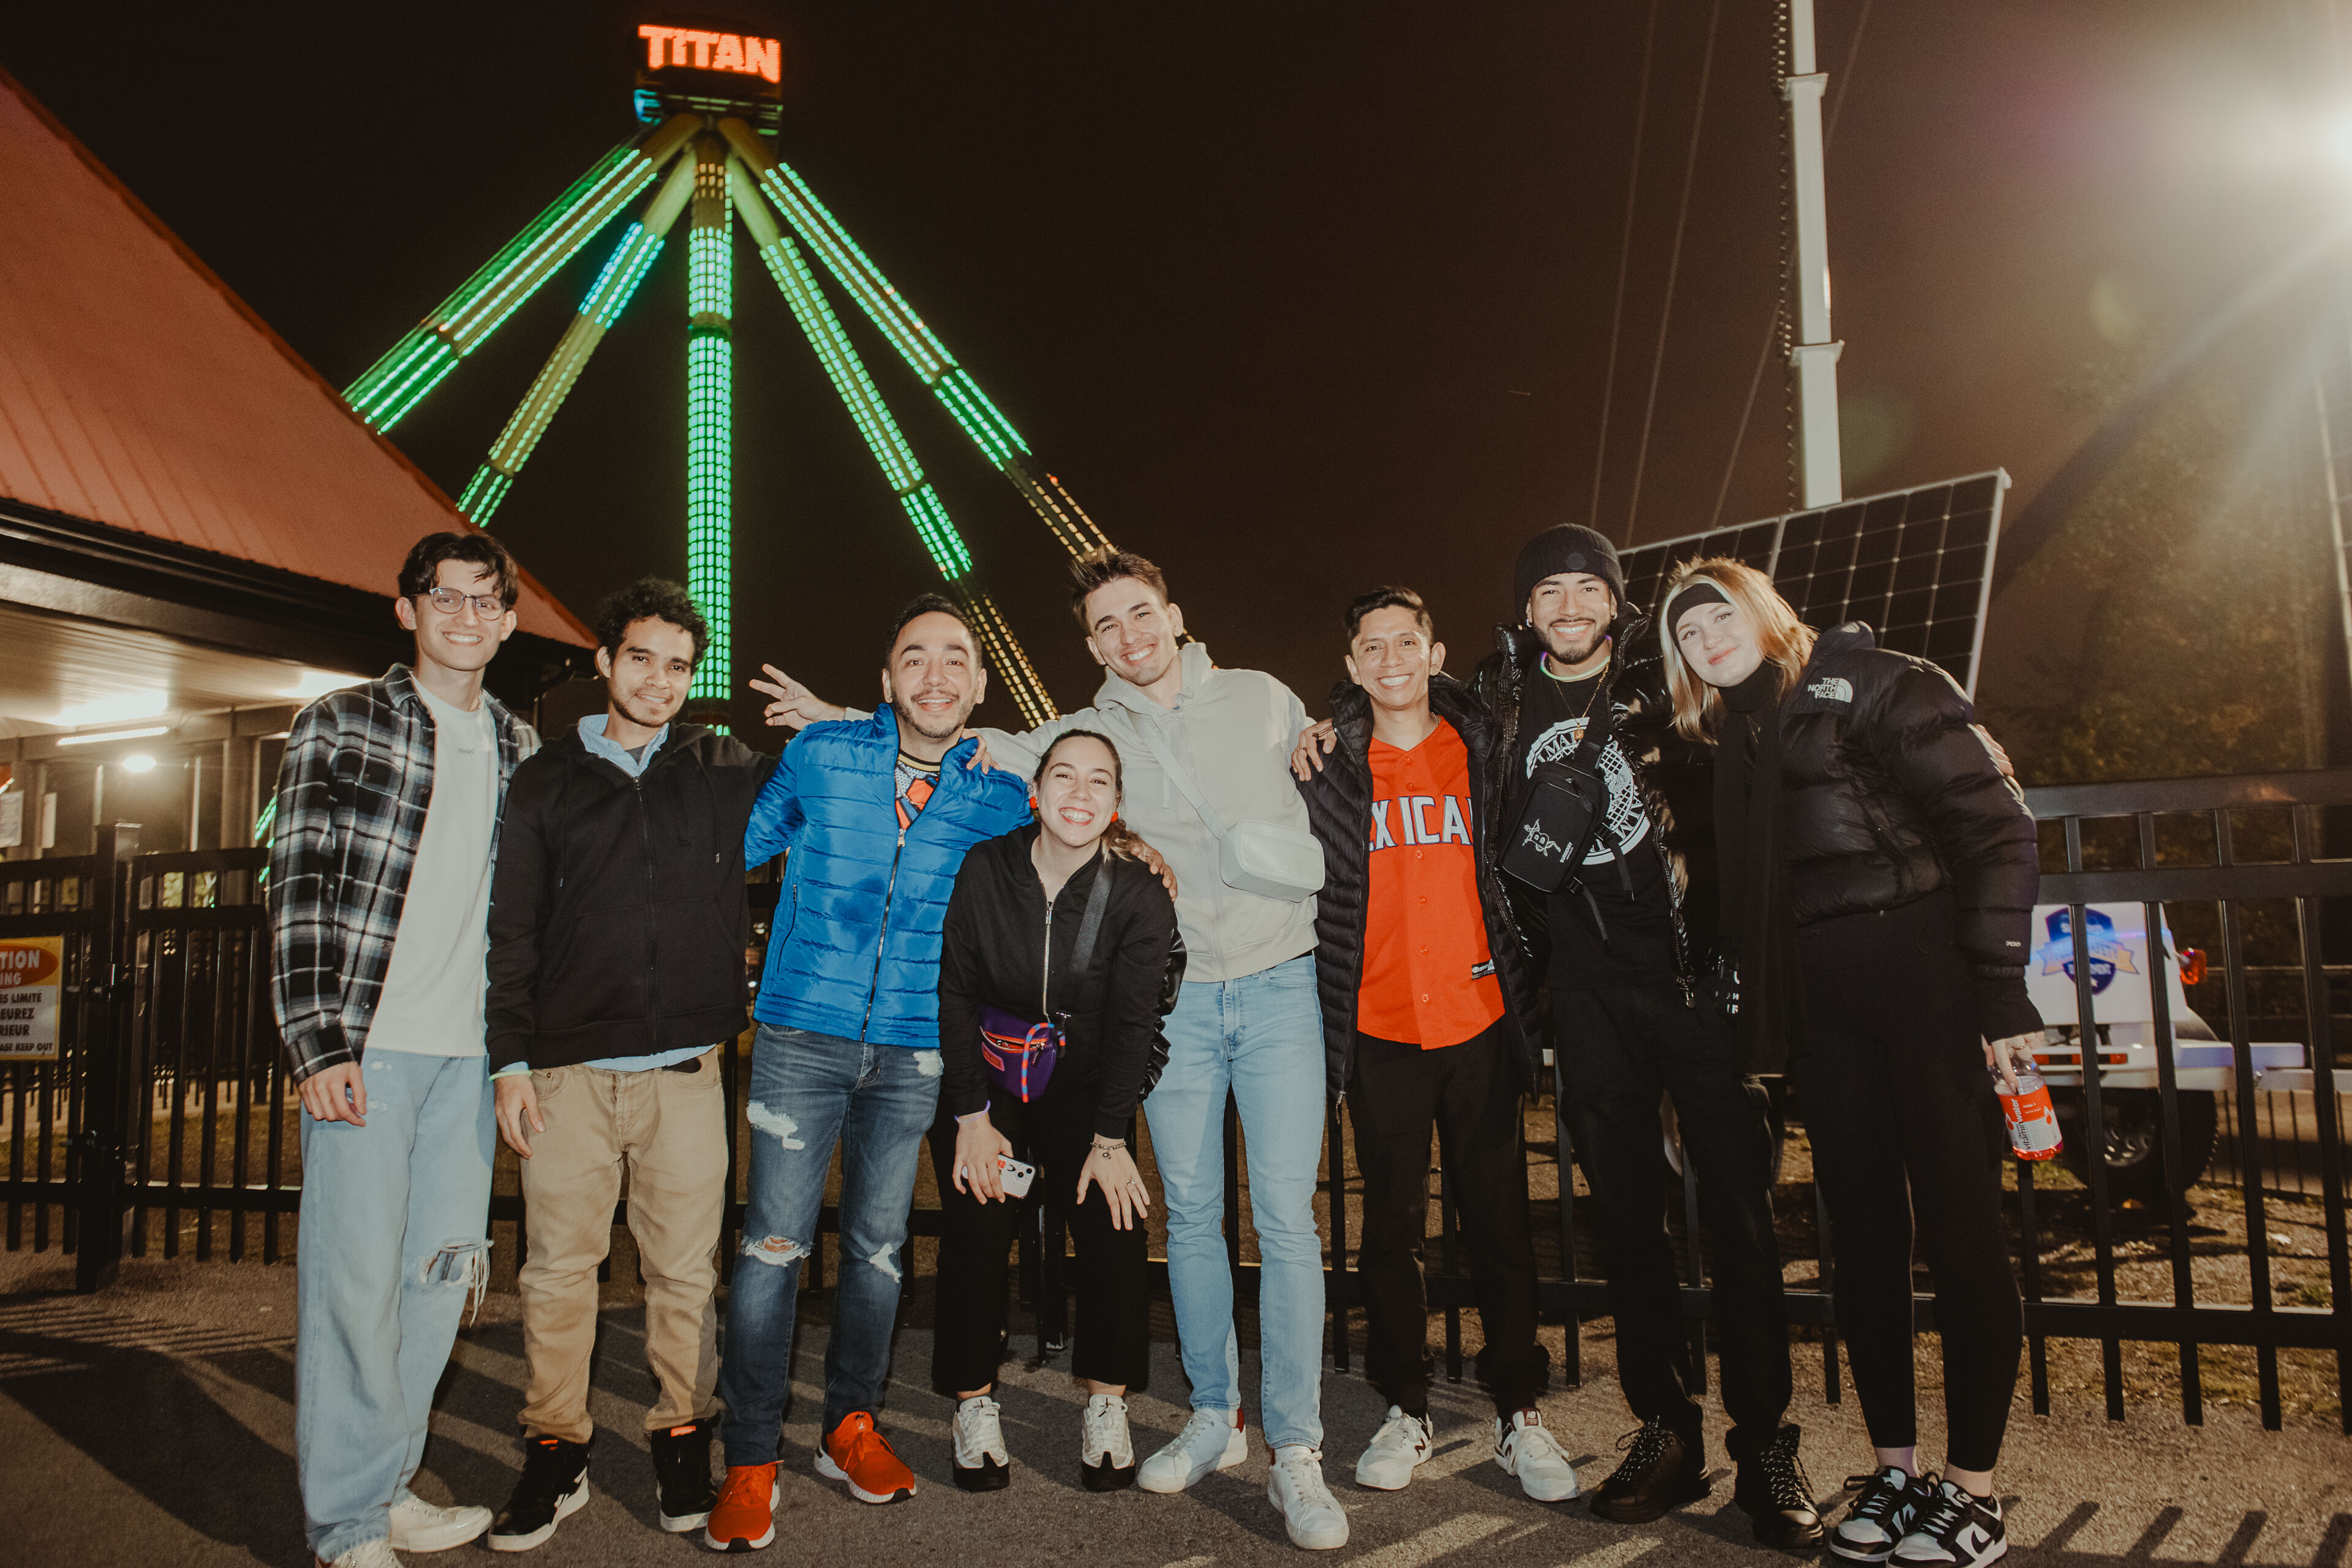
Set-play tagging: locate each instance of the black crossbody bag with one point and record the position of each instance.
(1567, 808)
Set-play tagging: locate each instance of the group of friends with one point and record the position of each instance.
(1672, 854)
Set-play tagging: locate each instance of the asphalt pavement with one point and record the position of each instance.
(153, 1423)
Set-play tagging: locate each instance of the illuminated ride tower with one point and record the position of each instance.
(708, 101)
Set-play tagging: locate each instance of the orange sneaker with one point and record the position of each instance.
(744, 1519)
(859, 1455)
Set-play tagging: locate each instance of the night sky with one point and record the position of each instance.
(1296, 298)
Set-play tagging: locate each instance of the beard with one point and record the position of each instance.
(929, 728)
(1567, 650)
(650, 712)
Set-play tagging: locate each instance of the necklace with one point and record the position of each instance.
(1591, 697)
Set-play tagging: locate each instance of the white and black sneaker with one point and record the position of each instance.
(1953, 1529)
(1107, 1461)
(1879, 1516)
(981, 1461)
(554, 1486)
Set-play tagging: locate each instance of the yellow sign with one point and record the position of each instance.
(32, 975)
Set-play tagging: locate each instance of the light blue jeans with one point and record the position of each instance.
(808, 1093)
(1261, 1036)
(395, 1236)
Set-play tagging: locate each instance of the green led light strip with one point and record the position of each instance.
(924, 353)
(710, 427)
(923, 507)
(483, 492)
(384, 395)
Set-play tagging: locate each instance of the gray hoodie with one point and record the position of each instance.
(1233, 729)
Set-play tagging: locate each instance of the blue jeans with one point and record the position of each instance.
(1261, 1036)
(808, 1093)
(395, 1236)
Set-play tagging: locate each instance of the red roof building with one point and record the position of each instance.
(196, 534)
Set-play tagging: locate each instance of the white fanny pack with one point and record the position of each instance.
(1253, 855)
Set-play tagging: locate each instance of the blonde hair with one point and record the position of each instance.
(1785, 640)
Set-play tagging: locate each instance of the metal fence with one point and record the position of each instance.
(169, 1104)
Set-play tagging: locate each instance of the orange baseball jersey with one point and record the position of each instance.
(1429, 978)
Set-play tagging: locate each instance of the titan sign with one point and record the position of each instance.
(690, 49)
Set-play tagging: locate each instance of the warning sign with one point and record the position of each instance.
(32, 972)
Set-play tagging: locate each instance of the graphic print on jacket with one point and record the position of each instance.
(1429, 976)
(1558, 730)
(1639, 946)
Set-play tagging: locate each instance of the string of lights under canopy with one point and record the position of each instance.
(708, 104)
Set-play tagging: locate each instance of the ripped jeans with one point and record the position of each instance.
(394, 1240)
(808, 1093)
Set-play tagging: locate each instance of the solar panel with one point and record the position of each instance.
(1915, 565)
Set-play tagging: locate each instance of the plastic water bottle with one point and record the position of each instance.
(2032, 1120)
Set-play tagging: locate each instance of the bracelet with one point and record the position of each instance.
(1110, 1145)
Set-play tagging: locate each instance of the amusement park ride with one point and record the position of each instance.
(708, 101)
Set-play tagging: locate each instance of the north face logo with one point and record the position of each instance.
(1832, 689)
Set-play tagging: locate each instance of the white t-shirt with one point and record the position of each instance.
(434, 988)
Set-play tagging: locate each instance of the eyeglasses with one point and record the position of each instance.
(448, 600)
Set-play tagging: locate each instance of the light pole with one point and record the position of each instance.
(1813, 359)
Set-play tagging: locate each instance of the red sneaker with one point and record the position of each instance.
(744, 1519)
(859, 1455)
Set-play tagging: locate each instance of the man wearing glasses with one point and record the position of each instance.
(378, 902)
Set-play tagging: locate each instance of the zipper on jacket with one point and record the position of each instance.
(874, 988)
(1045, 971)
(653, 966)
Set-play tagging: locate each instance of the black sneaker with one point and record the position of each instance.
(1953, 1529)
(682, 1475)
(1663, 1467)
(1778, 1499)
(554, 1484)
(1879, 1516)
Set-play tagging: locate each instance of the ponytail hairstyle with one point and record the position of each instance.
(1785, 641)
(1118, 838)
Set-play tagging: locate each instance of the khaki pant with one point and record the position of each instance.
(668, 1129)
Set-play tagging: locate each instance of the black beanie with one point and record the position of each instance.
(1570, 547)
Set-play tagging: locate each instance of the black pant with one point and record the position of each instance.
(1891, 1080)
(1111, 1335)
(1618, 1052)
(1470, 1092)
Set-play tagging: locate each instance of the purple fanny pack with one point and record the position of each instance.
(1021, 1056)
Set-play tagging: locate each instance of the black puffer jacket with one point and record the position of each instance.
(1890, 792)
(618, 920)
(1340, 809)
(1675, 777)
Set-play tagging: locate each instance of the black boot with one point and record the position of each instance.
(682, 1477)
(1665, 1465)
(1774, 1492)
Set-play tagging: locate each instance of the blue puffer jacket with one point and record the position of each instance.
(855, 948)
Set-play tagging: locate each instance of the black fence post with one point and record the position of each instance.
(95, 1148)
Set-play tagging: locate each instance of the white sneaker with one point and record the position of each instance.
(1212, 1440)
(418, 1526)
(1400, 1448)
(980, 1456)
(1523, 1448)
(376, 1554)
(1295, 1486)
(1105, 1450)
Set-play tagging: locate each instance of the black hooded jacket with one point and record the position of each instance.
(1674, 776)
(1889, 793)
(618, 920)
(1340, 809)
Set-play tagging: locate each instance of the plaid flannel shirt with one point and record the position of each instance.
(351, 796)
